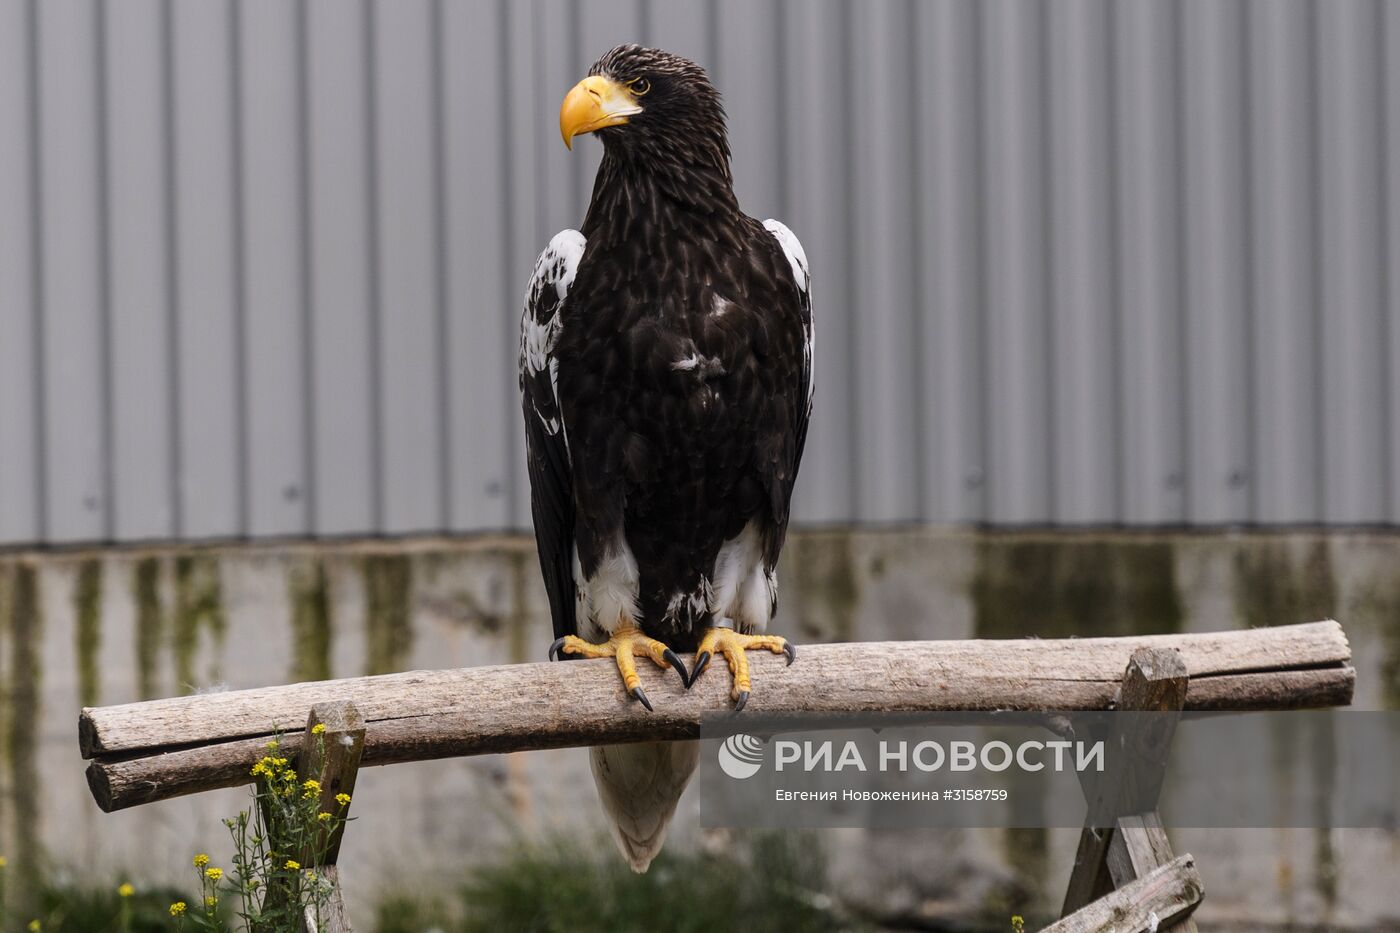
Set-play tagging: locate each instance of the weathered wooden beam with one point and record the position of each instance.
(1155, 681)
(1152, 903)
(144, 752)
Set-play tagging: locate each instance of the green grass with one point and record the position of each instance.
(772, 882)
(762, 883)
(89, 908)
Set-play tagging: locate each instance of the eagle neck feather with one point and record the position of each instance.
(673, 193)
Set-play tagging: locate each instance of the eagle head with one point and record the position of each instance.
(647, 103)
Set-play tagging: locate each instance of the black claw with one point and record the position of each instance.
(701, 663)
(676, 662)
(743, 699)
(554, 653)
(790, 650)
(639, 694)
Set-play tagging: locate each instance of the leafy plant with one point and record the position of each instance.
(277, 841)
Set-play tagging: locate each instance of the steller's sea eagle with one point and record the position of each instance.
(666, 375)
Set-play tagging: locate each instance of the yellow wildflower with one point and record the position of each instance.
(310, 875)
(35, 926)
(1018, 924)
(318, 729)
(343, 799)
(312, 785)
(211, 901)
(177, 908)
(213, 874)
(201, 860)
(272, 746)
(125, 890)
(292, 865)
(323, 816)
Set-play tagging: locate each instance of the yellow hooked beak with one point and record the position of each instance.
(594, 103)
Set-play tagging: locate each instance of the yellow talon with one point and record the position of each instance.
(733, 646)
(622, 646)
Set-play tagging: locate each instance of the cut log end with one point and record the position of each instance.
(87, 734)
(99, 782)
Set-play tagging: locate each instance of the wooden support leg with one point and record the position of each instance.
(333, 759)
(1149, 904)
(1110, 858)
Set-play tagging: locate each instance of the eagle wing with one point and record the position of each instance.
(546, 441)
(782, 471)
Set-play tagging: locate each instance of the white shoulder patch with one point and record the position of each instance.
(540, 323)
(567, 249)
(792, 248)
(542, 319)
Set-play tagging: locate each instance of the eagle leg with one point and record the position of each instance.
(732, 645)
(622, 647)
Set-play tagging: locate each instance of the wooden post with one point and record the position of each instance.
(333, 757)
(1153, 902)
(1109, 858)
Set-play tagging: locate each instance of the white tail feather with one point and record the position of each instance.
(640, 786)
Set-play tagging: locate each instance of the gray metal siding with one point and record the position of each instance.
(1076, 262)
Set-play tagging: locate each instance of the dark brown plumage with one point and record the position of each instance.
(666, 373)
(674, 460)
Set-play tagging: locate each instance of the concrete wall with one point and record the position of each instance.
(112, 627)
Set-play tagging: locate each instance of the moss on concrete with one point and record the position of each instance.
(521, 566)
(1326, 867)
(6, 574)
(87, 630)
(823, 584)
(1373, 605)
(145, 595)
(199, 609)
(1390, 665)
(1275, 584)
(1064, 587)
(388, 582)
(1060, 588)
(309, 593)
(21, 731)
(1026, 846)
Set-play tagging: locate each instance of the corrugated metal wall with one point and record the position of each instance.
(1078, 261)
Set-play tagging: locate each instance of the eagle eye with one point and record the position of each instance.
(639, 86)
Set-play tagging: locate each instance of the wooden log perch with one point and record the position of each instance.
(1154, 902)
(143, 752)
